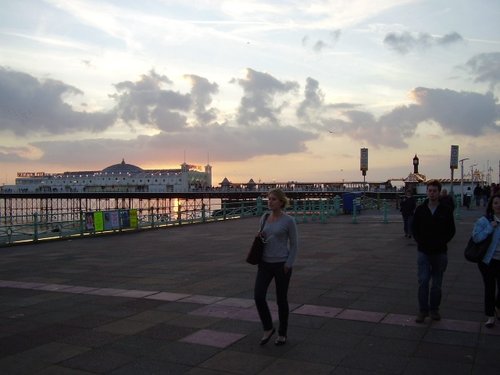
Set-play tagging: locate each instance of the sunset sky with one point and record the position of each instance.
(266, 89)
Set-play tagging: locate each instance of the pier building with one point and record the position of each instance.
(117, 178)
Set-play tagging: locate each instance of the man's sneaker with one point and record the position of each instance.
(435, 315)
(421, 316)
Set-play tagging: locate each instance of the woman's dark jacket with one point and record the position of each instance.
(433, 232)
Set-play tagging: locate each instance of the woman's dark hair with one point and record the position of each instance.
(489, 206)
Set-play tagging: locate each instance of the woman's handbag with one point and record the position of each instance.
(254, 256)
(475, 252)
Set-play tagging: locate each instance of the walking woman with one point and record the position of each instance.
(280, 250)
(490, 266)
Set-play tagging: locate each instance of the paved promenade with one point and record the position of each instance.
(179, 301)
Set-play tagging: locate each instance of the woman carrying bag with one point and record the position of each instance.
(490, 265)
(280, 250)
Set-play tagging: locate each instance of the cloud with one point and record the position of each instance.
(313, 99)
(15, 154)
(458, 113)
(450, 38)
(320, 45)
(189, 121)
(485, 67)
(201, 93)
(223, 143)
(147, 103)
(260, 94)
(30, 105)
(406, 42)
(466, 113)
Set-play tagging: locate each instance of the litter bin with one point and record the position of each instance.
(348, 202)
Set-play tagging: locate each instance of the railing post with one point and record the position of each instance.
(384, 205)
(152, 216)
(179, 214)
(203, 214)
(336, 205)
(322, 213)
(35, 229)
(259, 210)
(354, 211)
(82, 223)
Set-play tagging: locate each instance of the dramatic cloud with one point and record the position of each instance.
(405, 42)
(313, 99)
(28, 105)
(259, 102)
(464, 113)
(188, 122)
(221, 142)
(201, 92)
(485, 67)
(147, 103)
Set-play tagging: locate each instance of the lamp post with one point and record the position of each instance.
(472, 177)
(462, 180)
(364, 166)
(453, 163)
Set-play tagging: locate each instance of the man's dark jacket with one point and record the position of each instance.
(433, 231)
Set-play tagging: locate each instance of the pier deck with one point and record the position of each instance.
(178, 300)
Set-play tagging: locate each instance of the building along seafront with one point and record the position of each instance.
(121, 177)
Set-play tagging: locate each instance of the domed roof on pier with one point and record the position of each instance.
(122, 168)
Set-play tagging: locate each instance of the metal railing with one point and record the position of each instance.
(33, 228)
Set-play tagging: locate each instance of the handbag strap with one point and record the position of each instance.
(264, 222)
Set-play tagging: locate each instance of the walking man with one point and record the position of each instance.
(433, 228)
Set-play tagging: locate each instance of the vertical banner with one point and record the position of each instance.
(111, 220)
(89, 221)
(98, 221)
(454, 157)
(364, 160)
(125, 219)
(133, 218)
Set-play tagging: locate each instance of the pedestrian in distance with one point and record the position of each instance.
(467, 198)
(280, 250)
(447, 199)
(433, 228)
(407, 208)
(478, 194)
(486, 195)
(490, 264)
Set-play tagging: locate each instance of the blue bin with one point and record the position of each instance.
(348, 202)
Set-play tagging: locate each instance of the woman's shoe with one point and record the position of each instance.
(497, 312)
(280, 340)
(266, 339)
(490, 322)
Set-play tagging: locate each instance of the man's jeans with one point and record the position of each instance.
(430, 267)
